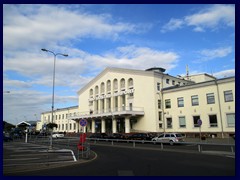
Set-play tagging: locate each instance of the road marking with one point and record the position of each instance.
(20, 159)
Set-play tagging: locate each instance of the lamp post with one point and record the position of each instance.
(55, 54)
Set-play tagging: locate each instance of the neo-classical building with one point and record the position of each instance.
(61, 118)
(126, 100)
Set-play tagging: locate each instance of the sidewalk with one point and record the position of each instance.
(212, 140)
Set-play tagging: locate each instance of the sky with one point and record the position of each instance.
(133, 36)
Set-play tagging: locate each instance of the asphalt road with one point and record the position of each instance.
(117, 161)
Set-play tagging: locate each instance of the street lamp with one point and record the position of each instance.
(55, 54)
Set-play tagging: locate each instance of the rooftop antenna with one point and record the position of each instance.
(187, 72)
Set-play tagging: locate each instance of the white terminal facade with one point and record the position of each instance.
(127, 101)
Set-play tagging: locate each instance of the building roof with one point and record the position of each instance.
(155, 71)
(196, 85)
(27, 123)
(61, 109)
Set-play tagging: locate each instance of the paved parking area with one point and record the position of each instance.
(20, 156)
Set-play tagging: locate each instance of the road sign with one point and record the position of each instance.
(83, 122)
(199, 122)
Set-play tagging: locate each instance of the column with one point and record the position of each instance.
(119, 103)
(127, 125)
(114, 125)
(103, 126)
(93, 126)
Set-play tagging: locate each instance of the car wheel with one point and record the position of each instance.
(171, 143)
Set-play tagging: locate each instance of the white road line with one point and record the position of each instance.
(20, 159)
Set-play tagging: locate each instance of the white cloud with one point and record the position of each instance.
(225, 73)
(208, 54)
(212, 18)
(26, 25)
(173, 24)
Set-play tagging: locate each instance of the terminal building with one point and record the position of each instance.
(128, 101)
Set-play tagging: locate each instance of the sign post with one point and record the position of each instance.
(83, 123)
(199, 124)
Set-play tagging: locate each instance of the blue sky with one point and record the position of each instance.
(133, 36)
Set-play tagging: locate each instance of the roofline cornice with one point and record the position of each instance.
(202, 84)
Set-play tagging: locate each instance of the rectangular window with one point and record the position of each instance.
(160, 116)
(173, 82)
(210, 98)
(180, 102)
(59, 116)
(56, 117)
(74, 126)
(70, 126)
(213, 120)
(228, 96)
(195, 100)
(62, 126)
(159, 104)
(160, 125)
(169, 122)
(231, 120)
(62, 116)
(195, 121)
(182, 122)
(167, 81)
(167, 103)
(158, 87)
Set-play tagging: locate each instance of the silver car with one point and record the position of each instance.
(57, 135)
(170, 138)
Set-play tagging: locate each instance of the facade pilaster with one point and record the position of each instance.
(93, 126)
(103, 126)
(127, 124)
(114, 125)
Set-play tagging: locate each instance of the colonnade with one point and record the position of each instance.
(114, 125)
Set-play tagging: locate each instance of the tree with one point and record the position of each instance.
(7, 126)
(51, 125)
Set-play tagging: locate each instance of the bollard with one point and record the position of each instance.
(199, 148)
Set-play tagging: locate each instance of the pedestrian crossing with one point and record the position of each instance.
(20, 157)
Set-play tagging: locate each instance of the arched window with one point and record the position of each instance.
(96, 90)
(115, 84)
(130, 83)
(122, 83)
(108, 85)
(102, 88)
(91, 92)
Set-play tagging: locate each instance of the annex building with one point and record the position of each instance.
(127, 101)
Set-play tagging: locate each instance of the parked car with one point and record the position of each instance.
(99, 135)
(140, 136)
(170, 138)
(57, 135)
(117, 136)
(7, 138)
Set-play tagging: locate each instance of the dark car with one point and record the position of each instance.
(117, 136)
(140, 136)
(7, 138)
(99, 135)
